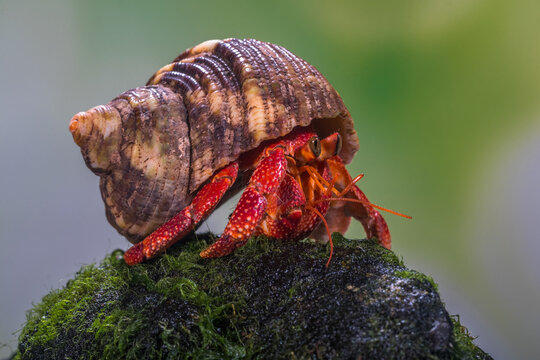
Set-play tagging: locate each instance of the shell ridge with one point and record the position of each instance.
(231, 56)
(220, 116)
(179, 82)
(157, 186)
(298, 88)
(182, 84)
(202, 128)
(238, 103)
(250, 73)
(229, 106)
(268, 73)
(311, 82)
(164, 203)
(327, 95)
(215, 86)
(203, 48)
(142, 113)
(288, 100)
(203, 77)
(305, 106)
(134, 101)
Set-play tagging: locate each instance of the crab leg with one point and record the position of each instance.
(373, 222)
(252, 205)
(185, 221)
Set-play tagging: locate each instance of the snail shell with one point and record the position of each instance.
(155, 145)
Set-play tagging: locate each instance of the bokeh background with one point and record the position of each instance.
(446, 99)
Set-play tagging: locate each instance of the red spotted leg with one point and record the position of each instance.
(185, 221)
(252, 205)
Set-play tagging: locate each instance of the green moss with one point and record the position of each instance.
(462, 343)
(117, 332)
(411, 274)
(67, 306)
(268, 299)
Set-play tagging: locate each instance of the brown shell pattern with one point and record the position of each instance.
(155, 145)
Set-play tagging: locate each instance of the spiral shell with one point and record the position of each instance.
(154, 146)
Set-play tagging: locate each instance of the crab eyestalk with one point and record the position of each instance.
(331, 146)
(97, 132)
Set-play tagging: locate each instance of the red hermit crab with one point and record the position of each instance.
(222, 116)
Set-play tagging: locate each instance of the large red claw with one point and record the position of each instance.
(362, 210)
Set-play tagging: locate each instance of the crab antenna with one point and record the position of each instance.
(348, 187)
(327, 231)
(366, 203)
(330, 186)
(318, 179)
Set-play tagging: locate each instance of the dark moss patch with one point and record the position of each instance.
(268, 300)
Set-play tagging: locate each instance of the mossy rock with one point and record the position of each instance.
(269, 299)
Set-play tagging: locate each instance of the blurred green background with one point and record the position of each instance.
(445, 96)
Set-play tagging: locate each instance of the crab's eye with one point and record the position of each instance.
(339, 144)
(315, 146)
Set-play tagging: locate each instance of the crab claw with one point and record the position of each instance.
(362, 210)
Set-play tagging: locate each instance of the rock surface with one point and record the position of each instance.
(269, 299)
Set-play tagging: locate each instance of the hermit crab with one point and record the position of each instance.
(223, 116)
